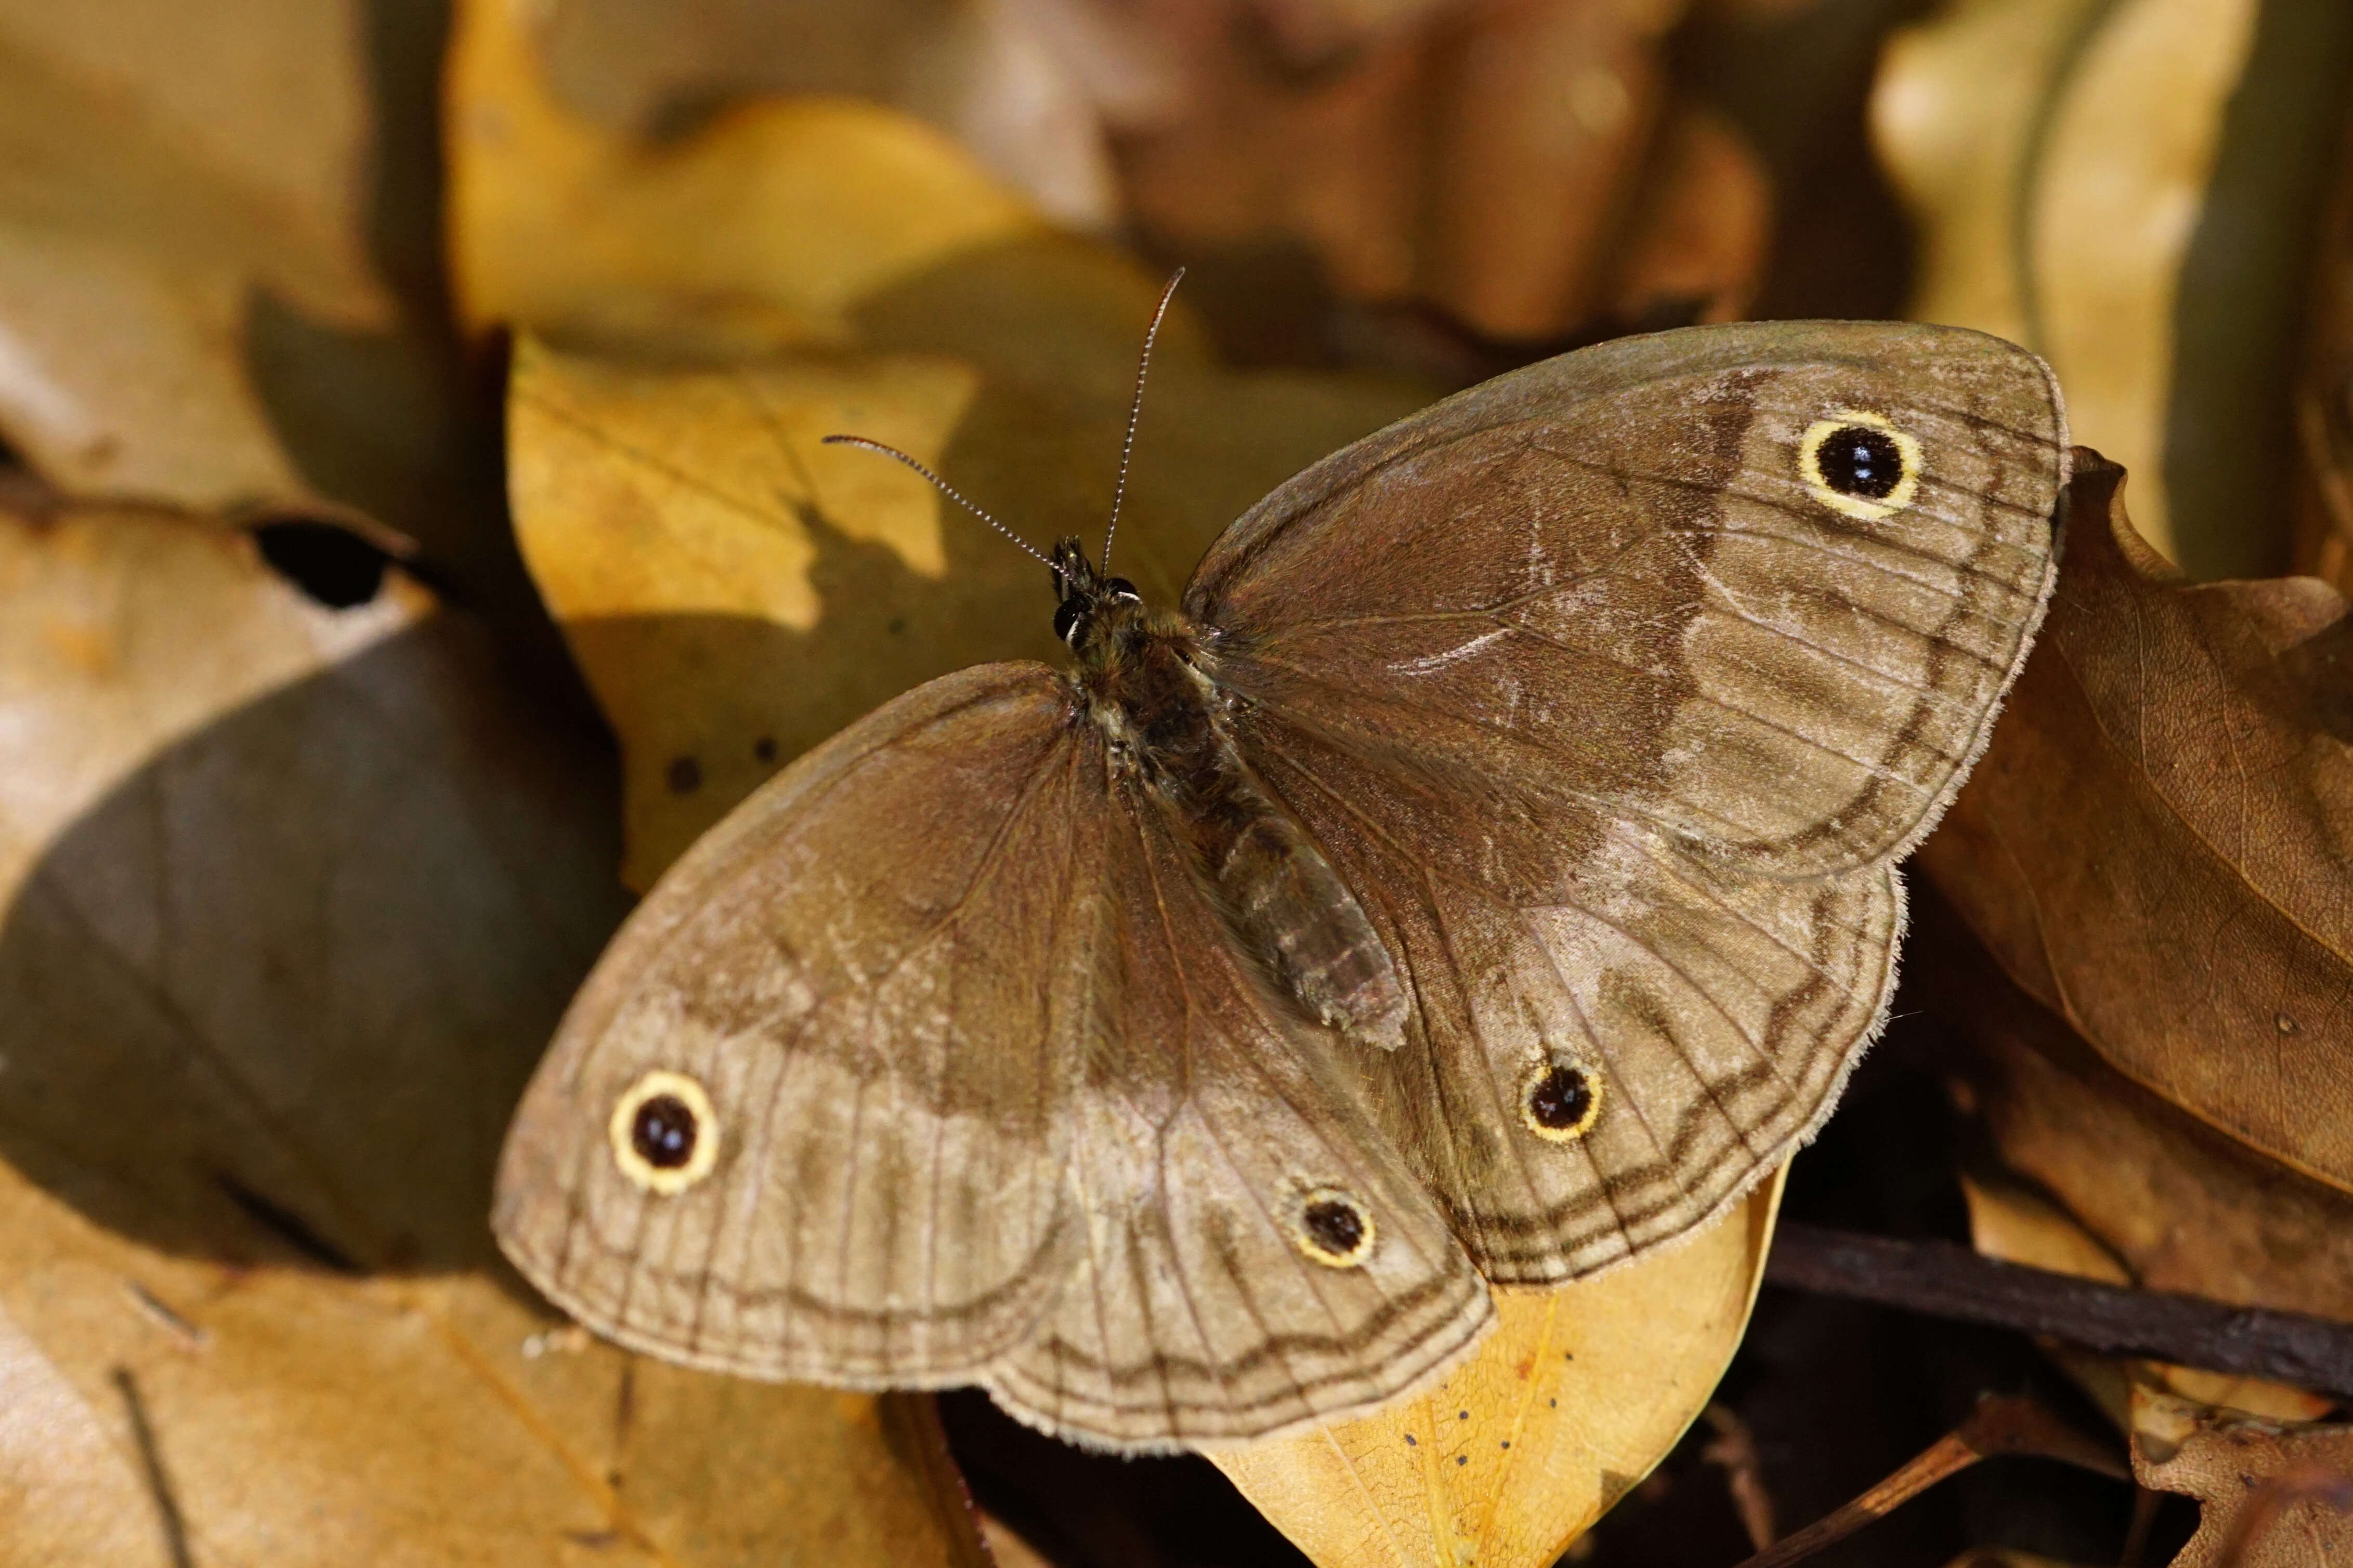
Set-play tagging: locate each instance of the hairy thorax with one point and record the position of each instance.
(1149, 685)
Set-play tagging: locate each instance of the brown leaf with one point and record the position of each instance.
(185, 190)
(1568, 1404)
(1484, 159)
(289, 898)
(2270, 1494)
(1698, 229)
(2156, 843)
(2166, 1201)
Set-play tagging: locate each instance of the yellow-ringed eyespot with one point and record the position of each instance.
(1560, 1102)
(1858, 463)
(664, 1135)
(1335, 1228)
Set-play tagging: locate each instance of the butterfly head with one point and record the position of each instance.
(1092, 604)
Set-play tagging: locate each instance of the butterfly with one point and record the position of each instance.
(1485, 874)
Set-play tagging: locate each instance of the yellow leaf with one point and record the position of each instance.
(763, 228)
(2056, 159)
(1572, 1399)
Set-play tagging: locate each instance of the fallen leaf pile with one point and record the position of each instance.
(415, 532)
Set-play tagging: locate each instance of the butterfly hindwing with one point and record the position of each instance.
(1207, 1307)
(1616, 710)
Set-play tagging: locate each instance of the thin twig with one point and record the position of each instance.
(1945, 1280)
(2002, 1424)
(168, 1516)
(1735, 1448)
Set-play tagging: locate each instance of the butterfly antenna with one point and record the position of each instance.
(945, 488)
(1135, 411)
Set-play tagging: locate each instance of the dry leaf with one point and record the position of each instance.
(765, 227)
(2270, 1494)
(292, 896)
(1567, 1404)
(1699, 227)
(1485, 158)
(185, 188)
(2055, 157)
(2155, 846)
(2166, 1201)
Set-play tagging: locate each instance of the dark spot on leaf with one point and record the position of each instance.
(764, 749)
(332, 566)
(1462, 1458)
(898, 625)
(663, 1131)
(1409, 1442)
(685, 775)
(1857, 460)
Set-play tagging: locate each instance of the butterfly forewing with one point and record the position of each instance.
(1615, 709)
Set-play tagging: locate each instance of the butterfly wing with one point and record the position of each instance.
(1206, 1306)
(977, 1093)
(1614, 688)
(876, 973)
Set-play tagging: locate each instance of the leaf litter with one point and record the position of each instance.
(302, 886)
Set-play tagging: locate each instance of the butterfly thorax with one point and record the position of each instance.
(1147, 680)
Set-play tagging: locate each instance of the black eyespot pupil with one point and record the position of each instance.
(1067, 618)
(1336, 1225)
(1857, 460)
(663, 1133)
(1561, 1098)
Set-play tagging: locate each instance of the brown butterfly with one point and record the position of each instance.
(1485, 874)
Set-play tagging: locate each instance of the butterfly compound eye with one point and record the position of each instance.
(1335, 1228)
(1067, 618)
(664, 1136)
(1561, 1101)
(1860, 463)
(1121, 588)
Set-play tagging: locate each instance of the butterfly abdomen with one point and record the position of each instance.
(1288, 910)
